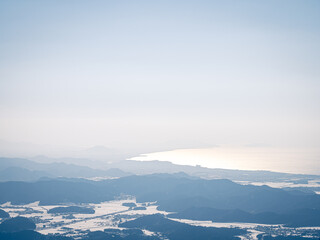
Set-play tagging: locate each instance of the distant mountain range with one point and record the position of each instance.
(19, 169)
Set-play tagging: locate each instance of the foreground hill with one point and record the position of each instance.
(4, 214)
(180, 231)
(294, 218)
(17, 224)
(71, 209)
(176, 194)
(30, 235)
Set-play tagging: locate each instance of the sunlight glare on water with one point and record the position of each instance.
(292, 160)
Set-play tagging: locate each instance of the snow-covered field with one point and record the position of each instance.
(252, 233)
(109, 214)
(284, 184)
(221, 224)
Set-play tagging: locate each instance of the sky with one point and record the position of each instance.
(152, 76)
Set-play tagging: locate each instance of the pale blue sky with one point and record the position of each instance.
(158, 75)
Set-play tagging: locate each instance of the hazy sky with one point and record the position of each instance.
(159, 75)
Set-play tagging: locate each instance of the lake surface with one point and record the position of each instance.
(290, 160)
